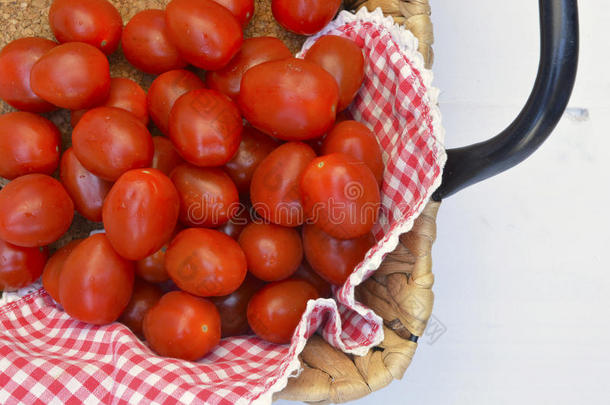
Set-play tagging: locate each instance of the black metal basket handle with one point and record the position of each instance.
(545, 106)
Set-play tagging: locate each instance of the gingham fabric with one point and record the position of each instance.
(46, 357)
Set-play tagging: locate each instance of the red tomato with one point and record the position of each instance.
(145, 296)
(233, 307)
(275, 310)
(236, 225)
(19, 266)
(306, 273)
(85, 188)
(96, 22)
(165, 158)
(300, 99)
(305, 17)
(109, 141)
(274, 190)
(140, 213)
(73, 75)
(28, 144)
(343, 59)
(165, 90)
(205, 127)
(146, 44)
(205, 262)
(273, 252)
(55, 264)
(253, 149)
(242, 10)
(340, 195)
(208, 197)
(254, 51)
(356, 140)
(182, 326)
(334, 259)
(35, 210)
(152, 268)
(16, 61)
(95, 283)
(206, 34)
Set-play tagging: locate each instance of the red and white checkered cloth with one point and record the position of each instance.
(46, 357)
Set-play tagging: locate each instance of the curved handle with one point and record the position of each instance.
(545, 106)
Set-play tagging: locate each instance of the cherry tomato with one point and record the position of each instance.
(55, 264)
(334, 259)
(145, 296)
(140, 213)
(205, 262)
(306, 273)
(73, 75)
(206, 34)
(19, 266)
(95, 22)
(356, 140)
(299, 103)
(233, 307)
(236, 225)
(273, 252)
(165, 90)
(28, 144)
(109, 141)
(16, 61)
(146, 44)
(35, 210)
(208, 197)
(205, 127)
(95, 283)
(242, 10)
(305, 17)
(274, 190)
(340, 195)
(182, 326)
(85, 188)
(275, 311)
(254, 51)
(343, 59)
(165, 157)
(152, 268)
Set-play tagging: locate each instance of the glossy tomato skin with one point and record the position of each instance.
(205, 127)
(205, 262)
(182, 326)
(28, 144)
(74, 75)
(165, 157)
(19, 266)
(340, 195)
(208, 197)
(140, 213)
(146, 44)
(342, 58)
(300, 100)
(254, 51)
(233, 307)
(273, 252)
(306, 273)
(334, 259)
(242, 10)
(145, 296)
(274, 190)
(206, 34)
(165, 90)
(95, 283)
(35, 210)
(152, 268)
(234, 227)
(85, 188)
(109, 141)
(275, 310)
(53, 267)
(305, 17)
(354, 139)
(16, 61)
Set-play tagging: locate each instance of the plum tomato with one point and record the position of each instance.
(152, 268)
(35, 210)
(16, 61)
(95, 283)
(205, 262)
(55, 264)
(299, 103)
(182, 326)
(306, 273)
(233, 307)
(165, 157)
(29, 143)
(20, 266)
(275, 310)
(145, 296)
(243, 10)
(237, 223)
(305, 17)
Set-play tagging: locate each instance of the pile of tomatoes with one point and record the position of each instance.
(260, 195)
